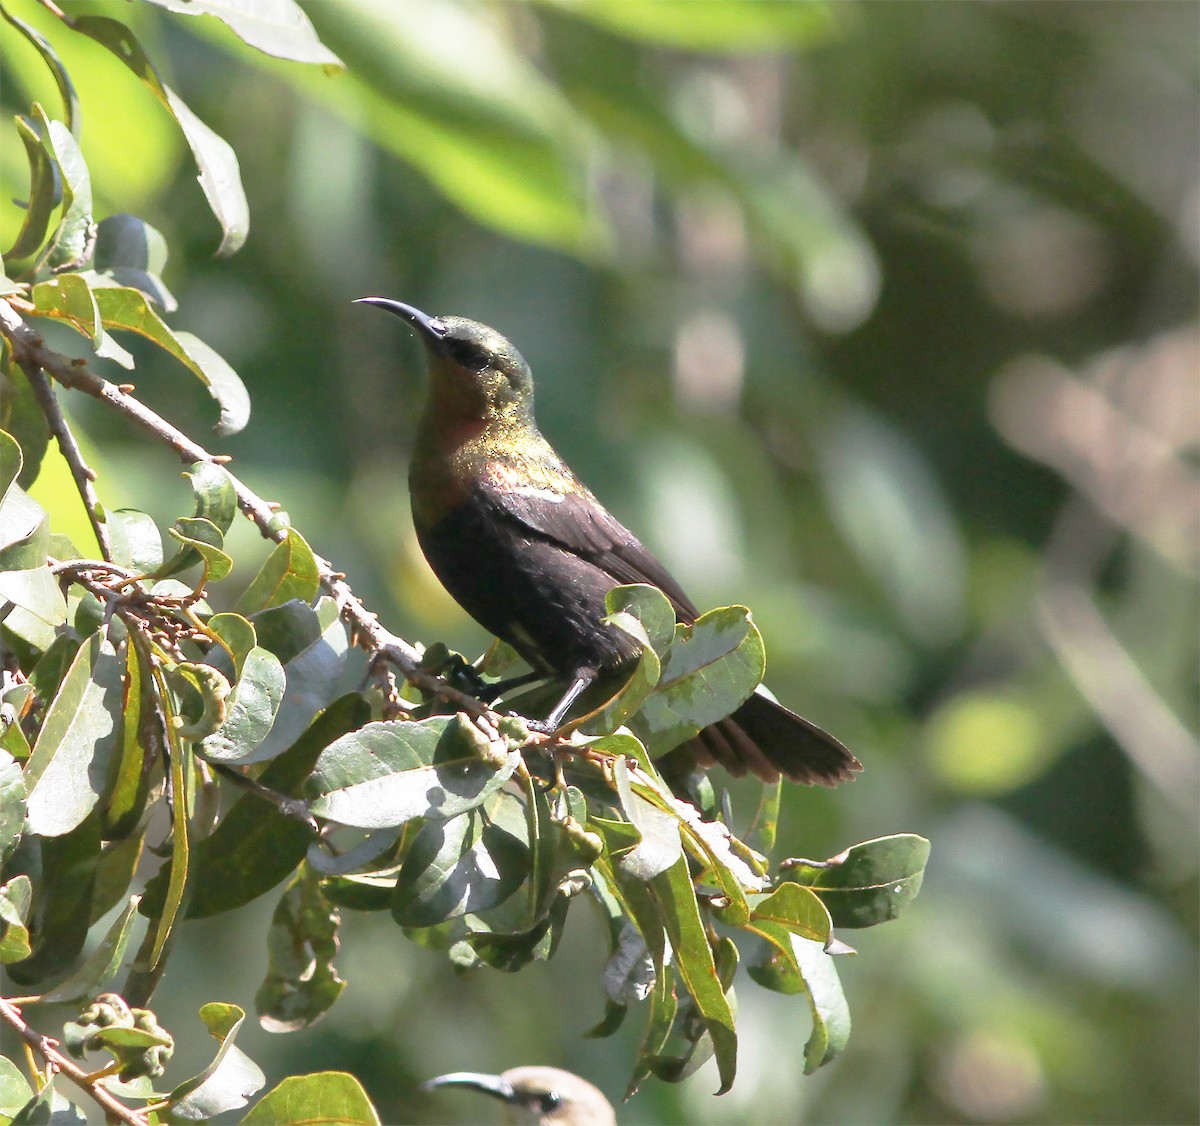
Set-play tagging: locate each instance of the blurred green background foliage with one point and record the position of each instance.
(880, 318)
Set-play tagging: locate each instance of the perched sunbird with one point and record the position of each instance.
(526, 549)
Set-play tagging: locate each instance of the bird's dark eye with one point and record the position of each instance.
(550, 1101)
(469, 354)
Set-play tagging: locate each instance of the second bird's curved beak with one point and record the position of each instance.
(495, 1085)
(430, 329)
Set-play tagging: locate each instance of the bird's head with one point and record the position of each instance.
(475, 373)
(538, 1096)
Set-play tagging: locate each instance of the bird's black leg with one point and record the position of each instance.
(581, 680)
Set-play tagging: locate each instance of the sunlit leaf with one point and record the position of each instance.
(127, 310)
(136, 541)
(290, 572)
(391, 771)
(12, 802)
(275, 27)
(711, 667)
(69, 769)
(251, 708)
(869, 883)
(72, 242)
(676, 898)
(327, 1096)
(15, 899)
(220, 176)
(45, 191)
(227, 1083)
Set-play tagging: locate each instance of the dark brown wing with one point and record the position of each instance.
(576, 521)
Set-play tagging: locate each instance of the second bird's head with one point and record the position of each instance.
(473, 370)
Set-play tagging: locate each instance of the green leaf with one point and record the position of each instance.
(131, 253)
(301, 983)
(12, 802)
(126, 310)
(141, 739)
(64, 895)
(251, 708)
(869, 883)
(332, 1097)
(660, 845)
(202, 543)
(68, 297)
(275, 27)
(15, 1092)
(72, 242)
(24, 535)
(70, 768)
(459, 866)
(255, 847)
(136, 541)
(22, 418)
(711, 667)
(237, 637)
(214, 493)
(717, 25)
(830, 1013)
(795, 909)
(115, 871)
(220, 176)
(175, 877)
(225, 1084)
(676, 899)
(45, 191)
(393, 770)
(102, 964)
(650, 607)
(290, 572)
(496, 138)
(15, 899)
(312, 674)
(63, 80)
(765, 824)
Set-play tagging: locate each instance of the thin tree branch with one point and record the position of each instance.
(83, 474)
(48, 1050)
(29, 348)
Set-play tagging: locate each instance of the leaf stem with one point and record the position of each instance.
(48, 1050)
(84, 475)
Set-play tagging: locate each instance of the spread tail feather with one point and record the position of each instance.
(768, 740)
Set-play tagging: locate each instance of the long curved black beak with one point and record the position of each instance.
(490, 1084)
(430, 329)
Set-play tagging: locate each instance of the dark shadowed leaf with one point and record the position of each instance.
(130, 252)
(101, 965)
(460, 866)
(44, 191)
(255, 846)
(301, 1100)
(301, 983)
(870, 883)
(61, 916)
(63, 80)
